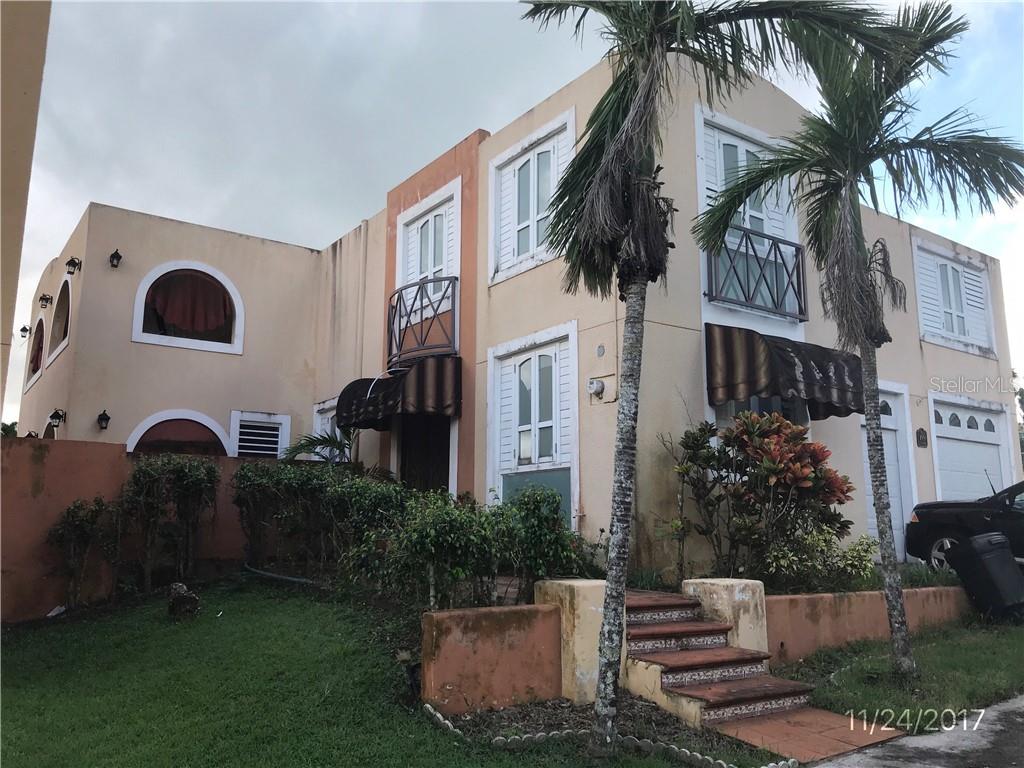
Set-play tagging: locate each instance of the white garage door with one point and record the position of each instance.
(969, 451)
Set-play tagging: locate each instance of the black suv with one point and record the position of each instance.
(939, 525)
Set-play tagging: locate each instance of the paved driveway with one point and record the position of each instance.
(998, 742)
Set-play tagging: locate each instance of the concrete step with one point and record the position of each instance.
(675, 636)
(746, 697)
(707, 665)
(643, 607)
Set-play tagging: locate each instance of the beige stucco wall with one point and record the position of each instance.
(102, 368)
(24, 27)
(673, 395)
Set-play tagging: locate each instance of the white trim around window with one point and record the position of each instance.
(238, 331)
(548, 137)
(434, 202)
(566, 405)
(67, 336)
(284, 433)
(172, 414)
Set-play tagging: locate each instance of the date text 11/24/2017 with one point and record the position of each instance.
(923, 720)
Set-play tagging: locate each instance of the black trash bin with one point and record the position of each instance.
(990, 575)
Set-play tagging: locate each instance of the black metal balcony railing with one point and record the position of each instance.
(760, 271)
(422, 319)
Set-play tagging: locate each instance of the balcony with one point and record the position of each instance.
(422, 320)
(761, 272)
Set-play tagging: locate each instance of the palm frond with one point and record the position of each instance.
(955, 160)
(333, 448)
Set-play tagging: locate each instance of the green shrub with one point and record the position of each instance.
(443, 546)
(766, 501)
(74, 534)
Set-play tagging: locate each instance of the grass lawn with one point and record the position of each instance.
(962, 667)
(263, 677)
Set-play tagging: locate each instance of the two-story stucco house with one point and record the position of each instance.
(439, 328)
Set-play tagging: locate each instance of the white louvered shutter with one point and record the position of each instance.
(929, 298)
(976, 306)
(506, 415)
(566, 400)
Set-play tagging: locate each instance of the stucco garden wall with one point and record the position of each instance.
(798, 625)
(40, 478)
(487, 658)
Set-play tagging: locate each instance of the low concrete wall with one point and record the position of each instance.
(487, 658)
(739, 602)
(581, 606)
(40, 479)
(798, 625)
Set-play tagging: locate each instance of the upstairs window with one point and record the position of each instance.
(525, 177)
(190, 305)
(952, 299)
(60, 326)
(428, 249)
(35, 357)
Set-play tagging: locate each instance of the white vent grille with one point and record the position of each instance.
(259, 438)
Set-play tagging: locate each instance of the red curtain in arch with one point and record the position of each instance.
(189, 304)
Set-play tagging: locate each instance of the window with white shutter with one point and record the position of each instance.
(259, 434)
(525, 178)
(535, 418)
(952, 298)
(428, 243)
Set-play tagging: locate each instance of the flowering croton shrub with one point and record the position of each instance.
(767, 503)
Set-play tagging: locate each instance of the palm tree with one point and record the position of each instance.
(611, 221)
(833, 163)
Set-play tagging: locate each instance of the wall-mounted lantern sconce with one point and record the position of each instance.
(103, 420)
(25, 331)
(59, 415)
(32, 433)
(45, 300)
(115, 259)
(73, 265)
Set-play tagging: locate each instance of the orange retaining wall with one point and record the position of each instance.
(798, 625)
(487, 658)
(40, 478)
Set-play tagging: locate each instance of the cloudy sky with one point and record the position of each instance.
(291, 121)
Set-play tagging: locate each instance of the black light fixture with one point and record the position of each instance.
(57, 417)
(115, 259)
(45, 300)
(73, 265)
(32, 433)
(103, 419)
(25, 331)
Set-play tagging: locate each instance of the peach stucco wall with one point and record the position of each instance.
(798, 625)
(40, 479)
(487, 658)
(459, 161)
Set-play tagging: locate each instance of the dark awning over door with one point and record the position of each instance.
(742, 363)
(431, 385)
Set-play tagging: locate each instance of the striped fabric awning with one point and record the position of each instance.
(431, 385)
(742, 363)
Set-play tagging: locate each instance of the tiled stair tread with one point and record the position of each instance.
(701, 658)
(676, 629)
(641, 600)
(745, 689)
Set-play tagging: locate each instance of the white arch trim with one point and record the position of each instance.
(177, 413)
(28, 358)
(238, 332)
(51, 356)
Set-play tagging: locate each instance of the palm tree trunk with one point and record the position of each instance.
(902, 657)
(623, 482)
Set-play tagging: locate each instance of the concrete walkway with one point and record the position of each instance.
(998, 742)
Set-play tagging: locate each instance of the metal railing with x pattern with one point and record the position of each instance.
(422, 319)
(756, 270)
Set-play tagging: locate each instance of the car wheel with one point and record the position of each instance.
(939, 549)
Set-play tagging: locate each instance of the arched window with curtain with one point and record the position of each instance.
(35, 356)
(189, 304)
(60, 326)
